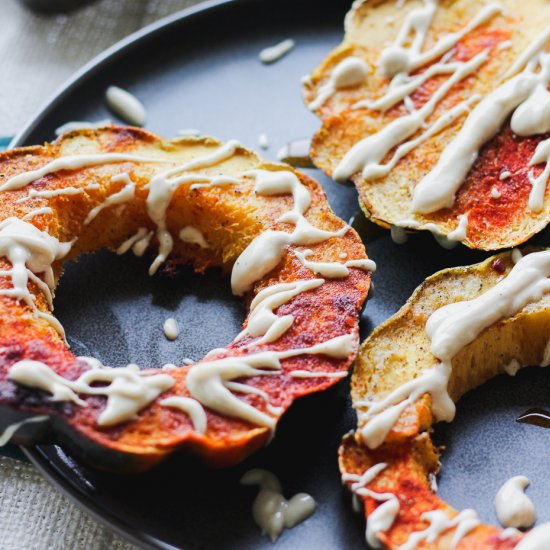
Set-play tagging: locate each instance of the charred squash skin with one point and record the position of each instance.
(493, 222)
(230, 217)
(408, 449)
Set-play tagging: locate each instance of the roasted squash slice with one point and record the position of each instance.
(490, 206)
(49, 194)
(400, 352)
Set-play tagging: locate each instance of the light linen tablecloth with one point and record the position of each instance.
(38, 53)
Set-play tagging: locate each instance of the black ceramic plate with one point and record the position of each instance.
(200, 69)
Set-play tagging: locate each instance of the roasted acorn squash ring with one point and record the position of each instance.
(229, 217)
(494, 197)
(397, 352)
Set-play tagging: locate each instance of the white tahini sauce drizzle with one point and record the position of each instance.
(37, 212)
(464, 523)
(316, 374)
(445, 241)
(333, 270)
(381, 519)
(451, 328)
(495, 193)
(537, 539)
(539, 183)
(271, 510)
(523, 96)
(398, 234)
(349, 73)
(126, 194)
(513, 507)
(70, 162)
(128, 390)
(262, 321)
(126, 105)
(31, 252)
(82, 125)
(163, 186)
(366, 155)
(274, 53)
(511, 368)
(8, 433)
(190, 407)
(49, 193)
(192, 235)
(142, 235)
(171, 328)
(211, 382)
(267, 249)
(398, 62)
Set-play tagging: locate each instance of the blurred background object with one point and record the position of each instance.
(39, 51)
(55, 6)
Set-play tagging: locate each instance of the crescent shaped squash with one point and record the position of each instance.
(406, 103)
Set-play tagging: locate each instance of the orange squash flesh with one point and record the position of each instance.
(229, 217)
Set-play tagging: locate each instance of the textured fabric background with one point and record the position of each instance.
(38, 53)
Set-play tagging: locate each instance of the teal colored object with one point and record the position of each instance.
(13, 451)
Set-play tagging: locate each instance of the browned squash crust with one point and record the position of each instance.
(229, 217)
(494, 222)
(398, 351)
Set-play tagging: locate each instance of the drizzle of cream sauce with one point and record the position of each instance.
(333, 270)
(163, 186)
(398, 62)
(398, 234)
(262, 321)
(190, 407)
(71, 162)
(520, 97)
(537, 539)
(495, 193)
(512, 367)
(267, 249)
(366, 155)
(192, 235)
(45, 210)
(439, 522)
(128, 390)
(126, 105)
(276, 52)
(211, 382)
(31, 252)
(271, 510)
(513, 507)
(349, 73)
(126, 194)
(383, 517)
(171, 328)
(49, 193)
(539, 183)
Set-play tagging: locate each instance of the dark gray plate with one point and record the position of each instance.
(199, 69)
